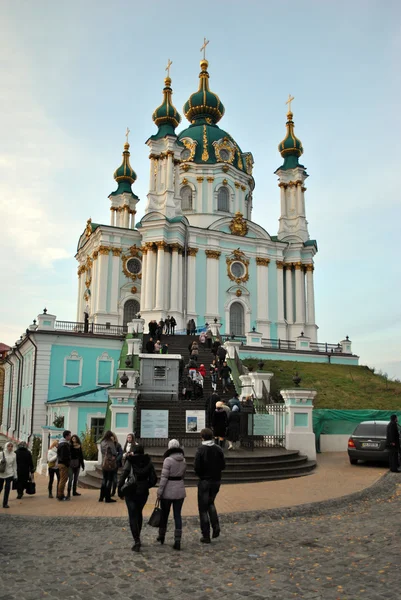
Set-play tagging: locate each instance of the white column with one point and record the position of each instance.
(280, 292)
(311, 294)
(115, 273)
(191, 282)
(299, 199)
(299, 299)
(143, 304)
(199, 198)
(262, 288)
(180, 280)
(289, 295)
(169, 175)
(112, 218)
(236, 199)
(282, 199)
(94, 286)
(212, 283)
(150, 278)
(210, 194)
(103, 268)
(174, 279)
(81, 279)
(133, 213)
(160, 277)
(152, 175)
(126, 216)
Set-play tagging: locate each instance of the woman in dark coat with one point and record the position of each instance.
(136, 497)
(210, 407)
(77, 463)
(233, 431)
(25, 467)
(219, 424)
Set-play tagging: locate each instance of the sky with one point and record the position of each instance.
(74, 75)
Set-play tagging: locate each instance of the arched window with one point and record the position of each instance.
(223, 199)
(131, 309)
(237, 319)
(186, 198)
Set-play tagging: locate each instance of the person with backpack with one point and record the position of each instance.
(109, 465)
(171, 491)
(138, 476)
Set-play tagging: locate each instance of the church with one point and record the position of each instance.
(197, 253)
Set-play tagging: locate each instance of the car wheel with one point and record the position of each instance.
(353, 461)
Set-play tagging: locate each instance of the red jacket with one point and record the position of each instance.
(202, 370)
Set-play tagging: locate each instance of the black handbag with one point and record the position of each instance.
(156, 516)
(129, 484)
(3, 464)
(30, 487)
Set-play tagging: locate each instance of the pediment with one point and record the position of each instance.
(254, 230)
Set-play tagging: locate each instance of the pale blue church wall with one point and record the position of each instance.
(338, 360)
(27, 380)
(273, 304)
(313, 358)
(85, 411)
(200, 301)
(57, 389)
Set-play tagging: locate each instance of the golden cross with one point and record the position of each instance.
(205, 43)
(127, 133)
(169, 63)
(290, 99)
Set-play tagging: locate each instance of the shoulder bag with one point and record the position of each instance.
(3, 464)
(155, 517)
(129, 485)
(109, 461)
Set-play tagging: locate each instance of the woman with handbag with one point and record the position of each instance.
(52, 466)
(77, 462)
(8, 471)
(25, 468)
(109, 465)
(171, 491)
(138, 476)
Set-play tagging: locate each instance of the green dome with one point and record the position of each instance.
(204, 104)
(125, 172)
(166, 116)
(291, 147)
(206, 143)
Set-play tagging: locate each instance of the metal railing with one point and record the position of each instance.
(91, 328)
(326, 348)
(278, 344)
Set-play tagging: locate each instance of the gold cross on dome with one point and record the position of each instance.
(127, 133)
(205, 43)
(169, 63)
(290, 99)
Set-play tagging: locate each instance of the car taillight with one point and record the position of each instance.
(351, 443)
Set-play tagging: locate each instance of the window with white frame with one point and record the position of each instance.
(104, 370)
(223, 198)
(186, 198)
(73, 370)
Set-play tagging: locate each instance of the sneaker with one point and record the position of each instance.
(136, 547)
(205, 540)
(76, 494)
(111, 500)
(6, 506)
(216, 533)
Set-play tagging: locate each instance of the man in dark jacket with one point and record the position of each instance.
(209, 463)
(221, 354)
(25, 467)
(150, 346)
(393, 442)
(63, 461)
(225, 373)
(234, 401)
(173, 324)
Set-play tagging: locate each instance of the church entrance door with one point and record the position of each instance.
(131, 309)
(237, 319)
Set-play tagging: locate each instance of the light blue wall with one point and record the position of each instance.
(266, 355)
(89, 356)
(252, 285)
(84, 411)
(273, 308)
(200, 293)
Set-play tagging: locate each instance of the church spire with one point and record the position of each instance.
(166, 116)
(291, 147)
(125, 174)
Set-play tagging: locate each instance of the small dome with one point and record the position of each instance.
(204, 104)
(125, 172)
(166, 113)
(291, 145)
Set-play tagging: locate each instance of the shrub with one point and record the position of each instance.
(36, 449)
(89, 448)
(58, 421)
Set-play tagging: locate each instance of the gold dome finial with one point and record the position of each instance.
(290, 99)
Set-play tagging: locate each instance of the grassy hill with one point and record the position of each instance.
(337, 386)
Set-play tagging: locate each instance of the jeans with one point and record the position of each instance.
(115, 483)
(63, 470)
(165, 505)
(73, 475)
(107, 482)
(225, 382)
(52, 473)
(135, 506)
(207, 492)
(7, 481)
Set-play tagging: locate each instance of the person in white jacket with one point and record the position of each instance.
(52, 466)
(9, 473)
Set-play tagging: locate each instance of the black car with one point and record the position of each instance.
(368, 442)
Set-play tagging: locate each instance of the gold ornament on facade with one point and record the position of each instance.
(243, 188)
(185, 167)
(309, 268)
(225, 182)
(280, 264)
(238, 225)
(185, 181)
(225, 145)
(213, 254)
(225, 168)
(104, 250)
(210, 179)
(88, 228)
(139, 275)
(237, 185)
(81, 270)
(238, 257)
(249, 163)
(134, 290)
(116, 251)
(95, 254)
(205, 153)
(160, 244)
(262, 262)
(200, 179)
(238, 293)
(239, 159)
(191, 146)
(86, 297)
(88, 282)
(192, 251)
(298, 266)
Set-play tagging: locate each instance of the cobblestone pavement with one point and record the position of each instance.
(324, 551)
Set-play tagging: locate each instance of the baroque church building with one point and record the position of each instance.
(197, 253)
